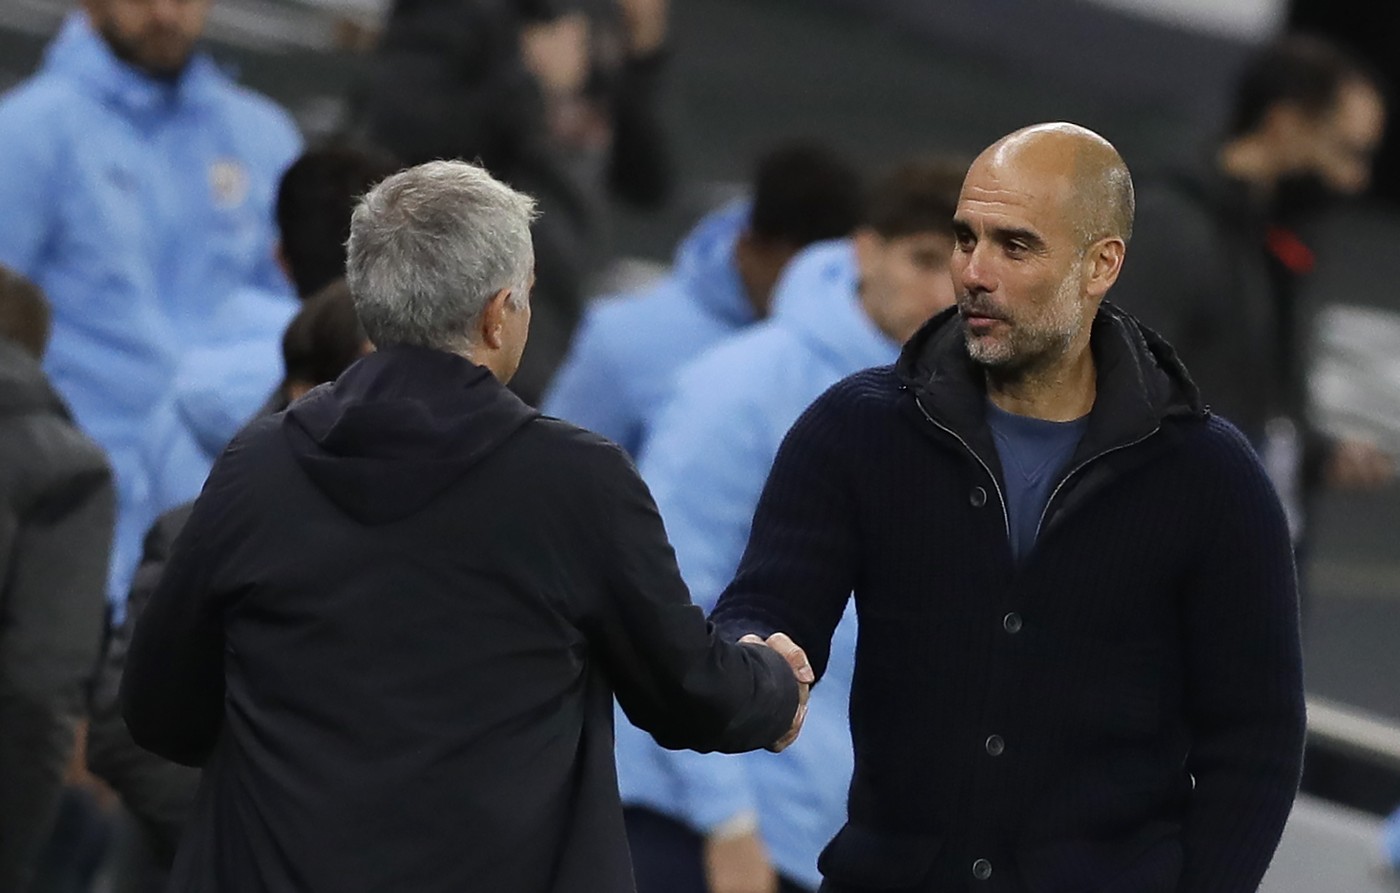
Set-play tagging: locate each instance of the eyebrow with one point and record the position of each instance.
(1004, 234)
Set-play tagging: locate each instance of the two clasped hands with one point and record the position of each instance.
(801, 668)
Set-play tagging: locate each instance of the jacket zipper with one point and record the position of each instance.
(1045, 512)
(1005, 515)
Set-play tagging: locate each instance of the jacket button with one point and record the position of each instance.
(996, 745)
(981, 869)
(1011, 623)
(978, 497)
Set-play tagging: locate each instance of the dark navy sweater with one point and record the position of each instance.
(1120, 711)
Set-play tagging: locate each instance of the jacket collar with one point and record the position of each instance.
(706, 267)
(818, 300)
(1141, 383)
(81, 54)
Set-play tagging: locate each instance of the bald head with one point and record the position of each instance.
(1094, 187)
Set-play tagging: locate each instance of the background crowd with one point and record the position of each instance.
(172, 258)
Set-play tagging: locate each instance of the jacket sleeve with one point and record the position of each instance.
(172, 691)
(1244, 685)
(672, 674)
(705, 466)
(156, 791)
(799, 567)
(53, 561)
(589, 390)
(280, 144)
(27, 188)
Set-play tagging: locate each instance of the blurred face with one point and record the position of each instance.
(1343, 144)
(904, 280)
(1018, 270)
(156, 36)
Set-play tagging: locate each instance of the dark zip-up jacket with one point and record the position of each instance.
(392, 630)
(1120, 712)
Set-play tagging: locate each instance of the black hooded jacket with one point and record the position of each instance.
(392, 630)
(1119, 711)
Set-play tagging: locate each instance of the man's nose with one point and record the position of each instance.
(977, 274)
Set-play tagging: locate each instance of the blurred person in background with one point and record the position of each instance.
(230, 377)
(626, 351)
(1078, 666)
(454, 729)
(1219, 256)
(599, 69)
(714, 824)
(1371, 29)
(57, 509)
(136, 184)
(322, 341)
(516, 85)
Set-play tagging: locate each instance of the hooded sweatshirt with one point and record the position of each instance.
(628, 348)
(706, 459)
(56, 509)
(392, 630)
(1120, 710)
(139, 206)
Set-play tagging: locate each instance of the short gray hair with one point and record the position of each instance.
(428, 248)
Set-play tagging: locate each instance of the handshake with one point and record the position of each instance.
(797, 659)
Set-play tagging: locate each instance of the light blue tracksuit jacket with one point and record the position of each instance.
(140, 206)
(706, 459)
(628, 347)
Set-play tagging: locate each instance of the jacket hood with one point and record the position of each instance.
(398, 427)
(818, 300)
(23, 386)
(81, 54)
(1141, 381)
(704, 263)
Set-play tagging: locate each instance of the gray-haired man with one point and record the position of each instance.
(393, 627)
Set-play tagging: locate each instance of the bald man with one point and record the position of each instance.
(1078, 664)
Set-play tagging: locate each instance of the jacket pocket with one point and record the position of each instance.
(860, 859)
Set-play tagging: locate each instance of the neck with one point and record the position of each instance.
(1062, 392)
(1247, 158)
(495, 361)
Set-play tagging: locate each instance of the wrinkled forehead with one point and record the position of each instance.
(1017, 190)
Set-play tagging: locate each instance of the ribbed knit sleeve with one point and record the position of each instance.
(800, 564)
(1244, 686)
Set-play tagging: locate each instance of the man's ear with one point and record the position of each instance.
(493, 315)
(1105, 262)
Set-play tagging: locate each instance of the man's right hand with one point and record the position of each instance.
(738, 863)
(801, 668)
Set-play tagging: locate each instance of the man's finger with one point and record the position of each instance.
(782, 743)
(795, 656)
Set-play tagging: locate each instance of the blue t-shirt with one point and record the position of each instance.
(1033, 453)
